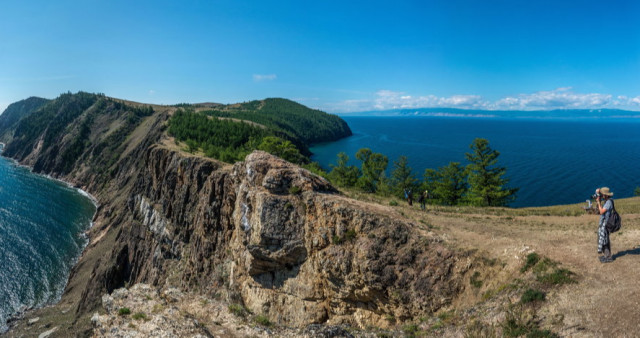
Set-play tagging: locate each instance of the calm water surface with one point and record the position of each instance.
(551, 161)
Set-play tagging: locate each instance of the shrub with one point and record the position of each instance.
(531, 296)
(238, 310)
(390, 318)
(558, 277)
(411, 329)
(475, 282)
(124, 311)
(350, 235)
(532, 259)
(393, 203)
(140, 316)
(263, 320)
(294, 190)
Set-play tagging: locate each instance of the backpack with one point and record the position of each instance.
(614, 223)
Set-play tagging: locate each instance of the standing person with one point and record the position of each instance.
(422, 199)
(410, 197)
(604, 244)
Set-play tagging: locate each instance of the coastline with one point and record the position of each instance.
(84, 233)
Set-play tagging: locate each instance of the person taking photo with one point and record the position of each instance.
(604, 206)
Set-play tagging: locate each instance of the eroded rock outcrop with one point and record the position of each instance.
(280, 240)
(263, 233)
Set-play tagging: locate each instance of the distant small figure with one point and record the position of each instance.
(408, 195)
(422, 199)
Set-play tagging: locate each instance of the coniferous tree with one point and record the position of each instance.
(343, 174)
(402, 177)
(487, 186)
(373, 165)
(281, 148)
(429, 183)
(450, 185)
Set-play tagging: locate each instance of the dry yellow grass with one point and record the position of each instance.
(604, 302)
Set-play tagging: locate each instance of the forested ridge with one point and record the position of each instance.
(279, 126)
(297, 121)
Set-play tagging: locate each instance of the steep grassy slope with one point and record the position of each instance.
(16, 111)
(75, 130)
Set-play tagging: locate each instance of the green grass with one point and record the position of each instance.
(125, 311)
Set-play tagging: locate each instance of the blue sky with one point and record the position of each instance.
(337, 56)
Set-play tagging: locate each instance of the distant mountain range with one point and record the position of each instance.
(529, 114)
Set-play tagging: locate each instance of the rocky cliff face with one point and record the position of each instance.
(263, 232)
(276, 238)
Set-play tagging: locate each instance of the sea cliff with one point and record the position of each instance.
(263, 233)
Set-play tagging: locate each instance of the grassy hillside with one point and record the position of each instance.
(72, 129)
(532, 272)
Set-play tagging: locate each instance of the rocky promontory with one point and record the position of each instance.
(263, 233)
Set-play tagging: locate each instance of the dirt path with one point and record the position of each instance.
(606, 300)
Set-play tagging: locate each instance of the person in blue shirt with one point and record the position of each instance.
(604, 244)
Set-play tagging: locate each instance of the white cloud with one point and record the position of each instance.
(560, 98)
(387, 99)
(264, 77)
(152, 92)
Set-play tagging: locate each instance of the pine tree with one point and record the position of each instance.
(487, 187)
(402, 177)
(342, 174)
(451, 186)
(373, 165)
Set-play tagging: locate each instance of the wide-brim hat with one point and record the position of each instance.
(605, 191)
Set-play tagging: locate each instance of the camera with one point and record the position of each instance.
(595, 196)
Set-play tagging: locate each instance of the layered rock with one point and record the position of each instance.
(279, 239)
(263, 232)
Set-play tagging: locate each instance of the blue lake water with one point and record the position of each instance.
(41, 237)
(552, 161)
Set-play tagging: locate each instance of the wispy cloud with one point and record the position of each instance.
(264, 77)
(560, 98)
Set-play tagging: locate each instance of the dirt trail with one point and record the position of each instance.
(606, 300)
